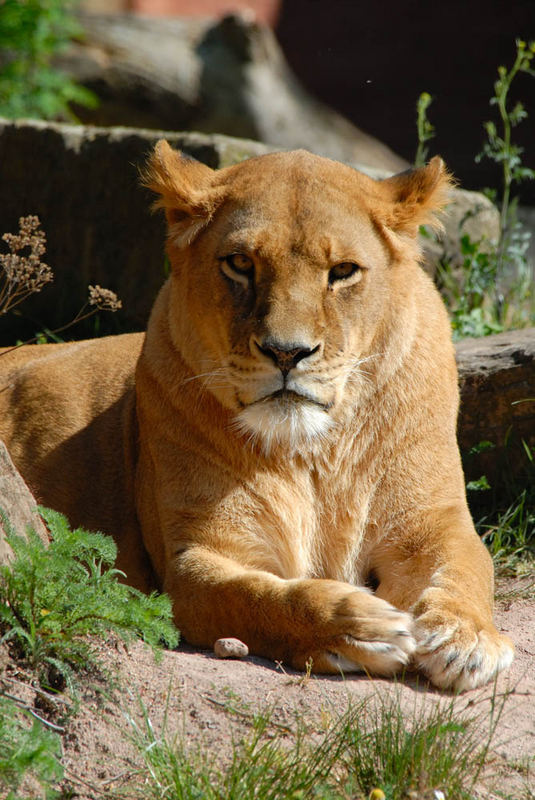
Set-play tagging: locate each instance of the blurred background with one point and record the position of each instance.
(371, 60)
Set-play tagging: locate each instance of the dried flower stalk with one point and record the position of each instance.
(23, 271)
(103, 299)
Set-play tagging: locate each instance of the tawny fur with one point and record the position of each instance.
(260, 503)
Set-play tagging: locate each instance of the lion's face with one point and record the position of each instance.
(286, 273)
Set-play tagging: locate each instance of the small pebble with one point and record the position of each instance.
(230, 648)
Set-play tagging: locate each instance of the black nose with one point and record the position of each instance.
(285, 356)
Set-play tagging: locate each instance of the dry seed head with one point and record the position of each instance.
(103, 299)
(24, 272)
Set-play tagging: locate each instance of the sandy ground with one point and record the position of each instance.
(209, 701)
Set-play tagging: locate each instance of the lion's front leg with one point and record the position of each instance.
(439, 570)
(333, 624)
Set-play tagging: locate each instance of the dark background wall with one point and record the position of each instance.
(371, 60)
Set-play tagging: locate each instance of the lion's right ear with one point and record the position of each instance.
(183, 185)
(416, 195)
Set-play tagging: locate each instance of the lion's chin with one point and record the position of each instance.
(280, 421)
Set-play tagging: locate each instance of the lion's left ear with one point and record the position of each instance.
(416, 196)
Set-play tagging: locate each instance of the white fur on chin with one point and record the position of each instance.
(295, 426)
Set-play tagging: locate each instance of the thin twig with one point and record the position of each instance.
(72, 776)
(52, 698)
(25, 707)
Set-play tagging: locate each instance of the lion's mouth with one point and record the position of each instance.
(291, 397)
(285, 417)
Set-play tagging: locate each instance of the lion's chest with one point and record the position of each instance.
(305, 529)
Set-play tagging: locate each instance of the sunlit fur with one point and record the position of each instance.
(259, 490)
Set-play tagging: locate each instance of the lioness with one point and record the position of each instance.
(291, 439)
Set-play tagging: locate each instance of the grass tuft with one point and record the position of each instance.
(374, 746)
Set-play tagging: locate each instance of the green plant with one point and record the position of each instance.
(27, 750)
(500, 148)
(511, 267)
(373, 746)
(491, 288)
(32, 32)
(425, 129)
(466, 290)
(56, 601)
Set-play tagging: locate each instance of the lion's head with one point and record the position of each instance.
(288, 271)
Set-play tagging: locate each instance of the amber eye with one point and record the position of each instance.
(238, 268)
(240, 263)
(343, 271)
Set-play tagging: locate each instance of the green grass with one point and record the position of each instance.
(508, 524)
(56, 601)
(511, 540)
(373, 745)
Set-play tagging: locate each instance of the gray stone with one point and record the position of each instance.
(17, 504)
(470, 214)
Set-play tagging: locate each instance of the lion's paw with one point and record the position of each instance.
(368, 635)
(386, 655)
(458, 653)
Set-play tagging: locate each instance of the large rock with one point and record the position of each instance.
(17, 504)
(83, 184)
(497, 375)
(228, 76)
(471, 214)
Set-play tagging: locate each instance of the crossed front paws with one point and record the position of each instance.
(453, 645)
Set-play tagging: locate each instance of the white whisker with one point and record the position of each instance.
(220, 371)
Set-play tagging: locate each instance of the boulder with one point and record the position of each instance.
(497, 379)
(83, 184)
(230, 648)
(227, 76)
(470, 214)
(17, 504)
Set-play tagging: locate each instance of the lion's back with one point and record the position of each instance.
(67, 416)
